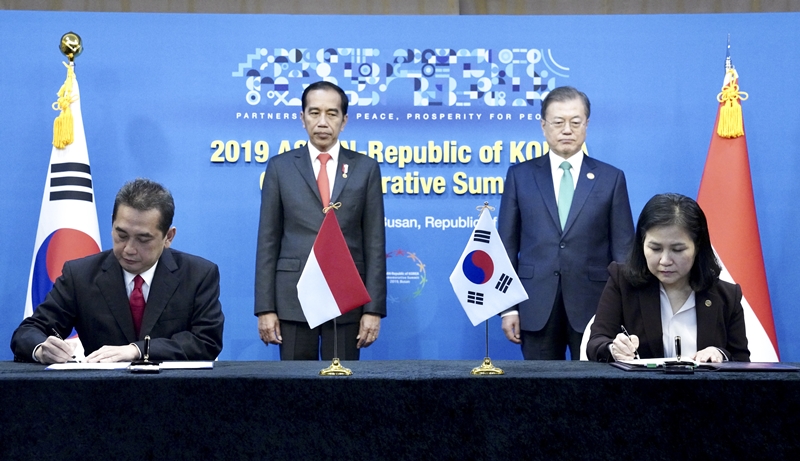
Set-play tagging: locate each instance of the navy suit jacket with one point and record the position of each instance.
(291, 215)
(720, 318)
(183, 315)
(599, 229)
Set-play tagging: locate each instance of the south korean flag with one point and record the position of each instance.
(484, 279)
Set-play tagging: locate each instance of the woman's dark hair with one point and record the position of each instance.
(674, 210)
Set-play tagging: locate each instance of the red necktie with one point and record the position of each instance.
(322, 179)
(137, 303)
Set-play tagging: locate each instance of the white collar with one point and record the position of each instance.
(314, 152)
(146, 275)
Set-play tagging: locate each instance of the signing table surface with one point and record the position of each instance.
(397, 410)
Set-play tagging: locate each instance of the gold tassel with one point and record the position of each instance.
(730, 114)
(63, 126)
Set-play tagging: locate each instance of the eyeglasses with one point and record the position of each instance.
(560, 124)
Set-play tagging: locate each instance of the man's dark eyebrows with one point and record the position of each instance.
(142, 234)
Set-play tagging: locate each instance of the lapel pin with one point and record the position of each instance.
(345, 167)
(590, 175)
(708, 303)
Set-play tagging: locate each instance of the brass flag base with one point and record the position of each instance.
(487, 368)
(336, 369)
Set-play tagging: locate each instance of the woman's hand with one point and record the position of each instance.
(709, 354)
(623, 348)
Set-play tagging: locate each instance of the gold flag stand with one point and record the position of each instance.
(486, 367)
(336, 368)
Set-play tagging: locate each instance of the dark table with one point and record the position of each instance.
(397, 410)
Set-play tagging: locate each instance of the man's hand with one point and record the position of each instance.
(114, 354)
(368, 330)
(269, 328)
(55, 350)
(511, 328)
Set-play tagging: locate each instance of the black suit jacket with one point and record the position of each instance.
(720, 318)
(183, 315)
(599, 229)
(291, 215)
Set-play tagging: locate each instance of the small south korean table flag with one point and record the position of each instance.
(484, 279)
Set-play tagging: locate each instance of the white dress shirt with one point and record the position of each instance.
(682, 323)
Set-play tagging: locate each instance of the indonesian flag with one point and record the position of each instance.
(68, 226)
(330, 285)
(726, 196)
(484, 279)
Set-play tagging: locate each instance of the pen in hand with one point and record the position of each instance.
(55, 333)
(625, 332)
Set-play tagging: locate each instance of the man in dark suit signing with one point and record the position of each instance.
(297, 185)
(141, 288)
(563, 218)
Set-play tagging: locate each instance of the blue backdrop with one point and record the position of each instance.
(198, 102)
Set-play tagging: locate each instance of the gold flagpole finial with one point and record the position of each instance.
(71, 46)
(63, 129)
(731, 124)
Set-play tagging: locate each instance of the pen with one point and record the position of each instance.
(635, 353)
(147, 348)
(678, 347)
(55, 333)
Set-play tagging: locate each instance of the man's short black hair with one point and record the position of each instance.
(323, 85)
(143, 195)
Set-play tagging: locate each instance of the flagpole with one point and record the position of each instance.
(487, 337)
(336, 368)
(486, 368)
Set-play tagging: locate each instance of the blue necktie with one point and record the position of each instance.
(565, 191)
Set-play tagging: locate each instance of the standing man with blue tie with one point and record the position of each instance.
(563, 218)
(297, 185)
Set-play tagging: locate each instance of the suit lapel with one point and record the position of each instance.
(650, 307)
(346, 157)
(582, 190)
(165, 282)
(302, 161)
(706, 308)
(111, 284)
(544, 181)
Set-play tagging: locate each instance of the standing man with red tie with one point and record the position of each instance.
(297, 186)
(140, 288)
